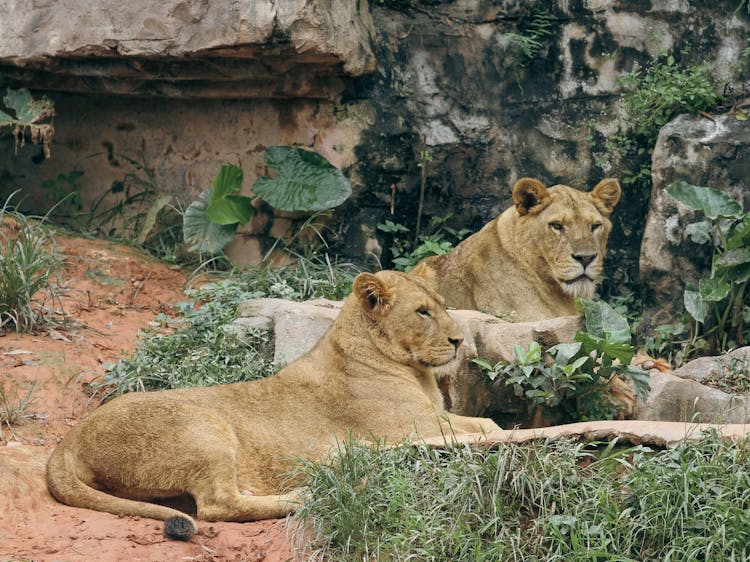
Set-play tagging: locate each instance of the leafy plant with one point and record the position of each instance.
(305, 181)
(528, 44)
(28, 262)
(201, 347)
(12, 409)
(23, 113)
(654, 95)
(574, 376)
(440, 240)
(662, 90)
(64, 190)
(719, 305)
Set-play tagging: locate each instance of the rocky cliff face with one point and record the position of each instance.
(493, 90)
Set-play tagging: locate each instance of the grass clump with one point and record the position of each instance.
(28, 263)
(13, 408)
(539, 501)
(203, 348)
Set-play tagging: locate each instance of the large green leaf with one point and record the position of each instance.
(711, 202)
(226, 182)
(700, 232)
(305, 182)
(695, 305)
(205, 236)
(224, 207)
(713, 290)
(232, 209)
(621, 351)
(602, 321)
(734, 258)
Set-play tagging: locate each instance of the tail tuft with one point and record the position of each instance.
(179, 528)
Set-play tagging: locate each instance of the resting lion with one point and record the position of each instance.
(231, 447)
(534, 259)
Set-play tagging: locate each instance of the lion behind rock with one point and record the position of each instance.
(533, 260)
(232, 447)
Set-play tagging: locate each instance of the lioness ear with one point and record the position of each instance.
(371, 292)
(528, 193)
(426, 273)
(608, 192)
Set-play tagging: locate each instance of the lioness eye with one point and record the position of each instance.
(422, 311)
(596, 226)
(557, 226)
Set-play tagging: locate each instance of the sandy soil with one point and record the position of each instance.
(112, 292)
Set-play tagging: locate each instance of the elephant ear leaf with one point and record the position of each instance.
(204, 235)
(224, 206)
(711, 202)
(305, 181)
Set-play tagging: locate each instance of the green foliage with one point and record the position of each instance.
(440, 240)
(201, 347)
(553, 501)
(305, 181)
(25, 114)
(720, 304)
(573, 376)
(64, 191)
(528, 44)
(662, 90)
(653, 96)
(13, 408)
(28, 263)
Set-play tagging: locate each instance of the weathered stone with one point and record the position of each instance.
(676, 399)
(707, 369)
(250, 48)
(449, 79)
(712, 152)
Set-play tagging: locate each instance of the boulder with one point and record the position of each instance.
(682, 396)
(707, 151)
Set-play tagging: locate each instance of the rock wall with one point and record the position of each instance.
(190, 85)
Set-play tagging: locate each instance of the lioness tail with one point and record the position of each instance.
(65, 485)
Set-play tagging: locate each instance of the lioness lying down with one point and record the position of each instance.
(533, 260)
(231, 447)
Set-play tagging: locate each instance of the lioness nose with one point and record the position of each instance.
(584, 259)
(456, 342)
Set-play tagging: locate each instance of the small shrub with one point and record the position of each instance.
(12, 409)
(203, 348)
(28, 262)
(659, 92)
(440, 240)
(573, 377)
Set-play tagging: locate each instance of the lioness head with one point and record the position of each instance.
(406, 318)
(566, 230)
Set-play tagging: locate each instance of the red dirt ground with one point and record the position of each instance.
(112, 292)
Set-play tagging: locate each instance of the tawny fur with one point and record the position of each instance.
(231, 447)
(528, 264)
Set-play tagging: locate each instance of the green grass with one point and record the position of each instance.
(28, 265)
(13, 408)
(202, 348)
(559, 501)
